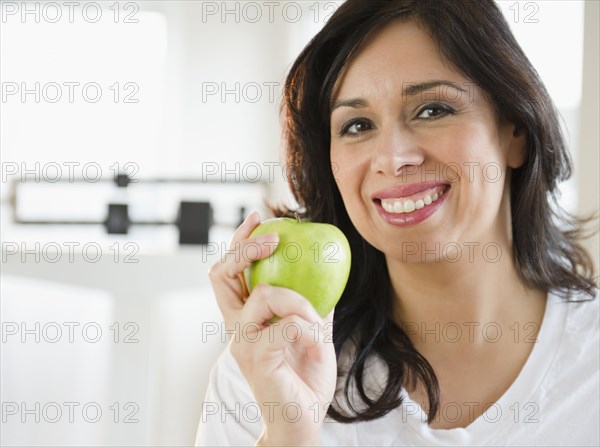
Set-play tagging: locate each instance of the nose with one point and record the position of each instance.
(397, 150)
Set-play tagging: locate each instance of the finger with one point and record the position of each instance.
(242, 254)
(243, 231)
(329, 317)
(227, 275)
(267, 301)
(294, 331)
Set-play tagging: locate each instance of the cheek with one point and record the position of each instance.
(349, 173)
(476, 160)
(473, 156)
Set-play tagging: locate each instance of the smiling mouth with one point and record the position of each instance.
(406, 205)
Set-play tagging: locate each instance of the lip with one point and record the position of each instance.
(415, 217)
(406, 190)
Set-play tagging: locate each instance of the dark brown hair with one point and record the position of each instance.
(473, 36)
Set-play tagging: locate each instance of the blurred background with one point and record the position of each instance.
(134, 136)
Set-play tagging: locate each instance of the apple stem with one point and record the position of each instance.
(297, 218)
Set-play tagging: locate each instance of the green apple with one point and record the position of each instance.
(311, 258)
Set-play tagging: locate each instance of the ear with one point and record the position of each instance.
(517, 146)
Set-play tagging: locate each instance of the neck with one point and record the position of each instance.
(437, 298)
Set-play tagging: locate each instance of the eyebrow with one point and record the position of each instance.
(415, 88)
(409, 89)
(355, 103)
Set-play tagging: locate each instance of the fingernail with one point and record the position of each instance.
(252, 217)
(267, 237)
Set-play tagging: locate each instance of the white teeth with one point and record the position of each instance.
(408, 205)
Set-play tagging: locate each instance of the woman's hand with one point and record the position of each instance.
(290, 364)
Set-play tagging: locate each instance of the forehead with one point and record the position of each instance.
(400, 53)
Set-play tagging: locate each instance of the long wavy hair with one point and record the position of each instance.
(473, 36)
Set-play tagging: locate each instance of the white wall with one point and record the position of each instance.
(589, 160)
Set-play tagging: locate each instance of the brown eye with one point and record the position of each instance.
(435, 111)
(355, 127)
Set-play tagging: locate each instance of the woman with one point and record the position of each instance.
(422, 131)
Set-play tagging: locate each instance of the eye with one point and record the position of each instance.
(356, 126)
(432, 111)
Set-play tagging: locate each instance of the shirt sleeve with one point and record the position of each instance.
(230, 415)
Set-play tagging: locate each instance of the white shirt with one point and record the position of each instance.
(553, 401)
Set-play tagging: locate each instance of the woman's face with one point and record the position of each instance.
(417, 151)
